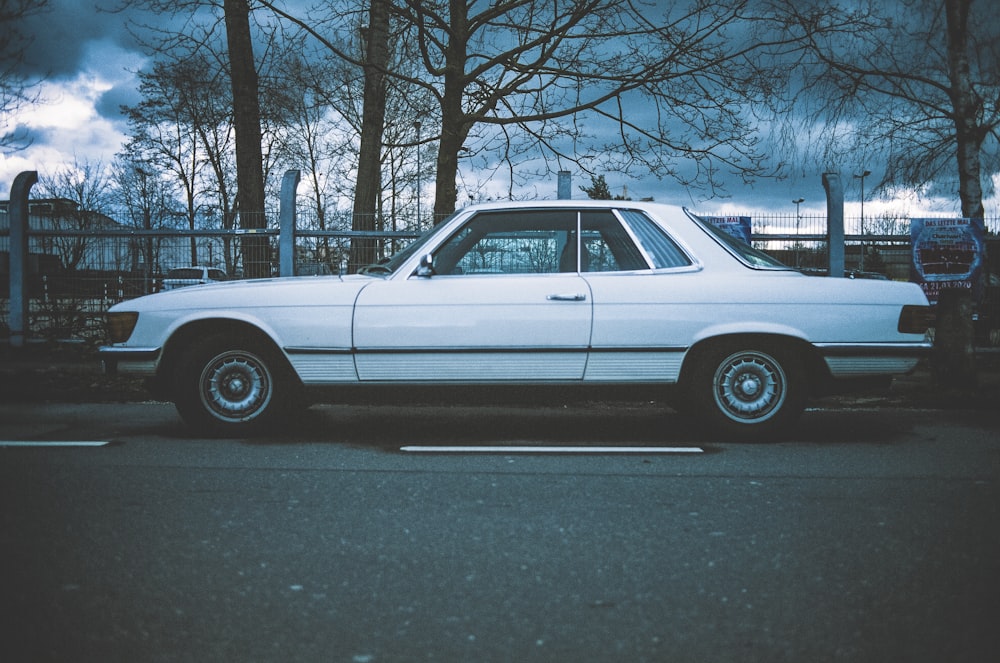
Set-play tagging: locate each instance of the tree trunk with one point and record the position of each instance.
(969, 135)
(369, 184)
(954, 363)
(454, 127)
(246, 124)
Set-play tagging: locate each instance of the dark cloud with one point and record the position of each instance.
(32, 135)
(110, 103)
(63, 34)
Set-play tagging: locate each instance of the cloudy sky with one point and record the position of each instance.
(90, 61)
(87, 61)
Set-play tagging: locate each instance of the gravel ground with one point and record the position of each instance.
(72, 373)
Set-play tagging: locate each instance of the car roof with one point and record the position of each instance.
(572, 204)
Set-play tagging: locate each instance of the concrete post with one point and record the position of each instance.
(18, 215)
(286, 223)
(565, 186)
(834, 222)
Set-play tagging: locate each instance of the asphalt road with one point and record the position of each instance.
(871, 535)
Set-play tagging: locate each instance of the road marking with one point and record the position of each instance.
(552, 450)
(54, 443)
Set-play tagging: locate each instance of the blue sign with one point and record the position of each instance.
(947, 253)
(737, 226)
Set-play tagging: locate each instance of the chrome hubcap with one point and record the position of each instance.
(749, 386)
(236, 386)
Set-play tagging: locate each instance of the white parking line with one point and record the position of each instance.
(552, 450)
(54, 443)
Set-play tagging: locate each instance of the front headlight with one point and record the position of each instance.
(120, 325)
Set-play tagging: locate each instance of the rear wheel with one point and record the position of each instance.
(748, 391)
(232, 386)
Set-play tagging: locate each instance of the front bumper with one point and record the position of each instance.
(129, 361)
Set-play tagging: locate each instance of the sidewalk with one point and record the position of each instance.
(68, 372)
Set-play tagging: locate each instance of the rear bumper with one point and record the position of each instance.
(853, 360)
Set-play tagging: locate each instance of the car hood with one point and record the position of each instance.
(276, 292)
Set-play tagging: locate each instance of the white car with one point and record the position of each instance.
(196, 275)
(550, 294)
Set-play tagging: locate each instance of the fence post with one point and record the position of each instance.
(564, 190)
(18, 316)
(286, 223)
(834, 223)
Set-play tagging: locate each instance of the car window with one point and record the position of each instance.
(540, 242)
(519, 242)
(607, 245)
(743, 251)
(216, 275)
(663, 252)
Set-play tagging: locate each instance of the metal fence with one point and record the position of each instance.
(74, 275)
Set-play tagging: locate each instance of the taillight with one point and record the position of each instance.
(120, 325)
(915, 319)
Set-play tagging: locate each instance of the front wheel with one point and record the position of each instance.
(747, 392)
(231, 386)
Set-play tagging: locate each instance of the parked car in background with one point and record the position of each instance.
(196, 275)
(565, 296)
(313, 269)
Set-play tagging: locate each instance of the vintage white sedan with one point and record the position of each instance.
(555, 295)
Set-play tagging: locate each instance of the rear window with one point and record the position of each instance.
(743, 251)
(662, 251)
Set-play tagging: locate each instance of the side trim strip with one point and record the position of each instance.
(875, 349)
(319, 351)
(488, 350)
(115, 353)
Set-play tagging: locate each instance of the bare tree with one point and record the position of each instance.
(15, 84)
(196, 34)
(369, 183)
(183, 128)
(914, 83)
(246, 124)
(528, 71)
(147, 200)
(86, 186)
(166, 124)
(315, 135)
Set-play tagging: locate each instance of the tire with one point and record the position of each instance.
(232, 386)
(748, 391)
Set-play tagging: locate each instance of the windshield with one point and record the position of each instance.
(743, 251)
(390, 265)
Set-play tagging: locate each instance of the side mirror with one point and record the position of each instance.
(426, 268)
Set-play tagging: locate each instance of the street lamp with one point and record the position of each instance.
(416, 125)
(862, 177)
(798, 218)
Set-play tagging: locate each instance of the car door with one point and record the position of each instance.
(506, 304)
(643, 285)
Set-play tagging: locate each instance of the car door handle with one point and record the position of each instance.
(573, 297)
